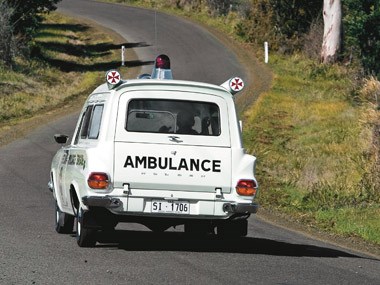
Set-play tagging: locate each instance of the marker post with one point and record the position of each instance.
(122, 56)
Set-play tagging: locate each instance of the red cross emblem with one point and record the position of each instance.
(113, 77)
(236, 84)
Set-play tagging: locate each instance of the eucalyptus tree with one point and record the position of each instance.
(332, 33)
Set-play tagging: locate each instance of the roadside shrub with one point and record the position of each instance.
(313, 40)
(219, 7)
(7, 39)
(27, 15)
(256, 25)
(362, 37)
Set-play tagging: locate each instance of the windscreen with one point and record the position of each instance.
(173, 116)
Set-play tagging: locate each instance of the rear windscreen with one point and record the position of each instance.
(173, 116)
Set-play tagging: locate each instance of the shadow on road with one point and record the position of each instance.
(89, 50)
(68, 66)
(178, 241)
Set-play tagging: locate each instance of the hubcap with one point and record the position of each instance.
(79, 226)
(57, 214)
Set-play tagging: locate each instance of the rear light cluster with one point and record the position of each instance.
(246, 187)
(98, 180)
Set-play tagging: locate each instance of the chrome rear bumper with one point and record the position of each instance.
(112, 202)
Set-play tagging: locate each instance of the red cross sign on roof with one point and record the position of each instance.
(113, 77)
(236, 84)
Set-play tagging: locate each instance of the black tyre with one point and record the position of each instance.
(85, 237)
(64, 223)
(233, 229)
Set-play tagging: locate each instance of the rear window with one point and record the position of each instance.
(173, 117)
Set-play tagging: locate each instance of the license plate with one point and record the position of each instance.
(173, 207)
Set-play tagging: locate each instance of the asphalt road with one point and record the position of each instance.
(31, 252)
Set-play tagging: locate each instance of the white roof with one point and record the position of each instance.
(152, 84)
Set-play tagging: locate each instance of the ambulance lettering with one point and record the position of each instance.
(151, 162)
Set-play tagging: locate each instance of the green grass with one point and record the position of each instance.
(363, 222)
(316, 148)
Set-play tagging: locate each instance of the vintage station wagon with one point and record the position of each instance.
(155, 151)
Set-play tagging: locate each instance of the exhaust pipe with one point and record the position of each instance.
(228, 207)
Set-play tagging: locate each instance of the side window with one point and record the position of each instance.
(79, 129)
(86, 122)
(93, 132)
(90, 125)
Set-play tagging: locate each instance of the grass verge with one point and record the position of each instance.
(318, 148)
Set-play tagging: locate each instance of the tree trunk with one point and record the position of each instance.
(332, 18)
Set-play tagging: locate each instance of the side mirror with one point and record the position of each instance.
(61, 139)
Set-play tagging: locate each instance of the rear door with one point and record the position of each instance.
(153, 153)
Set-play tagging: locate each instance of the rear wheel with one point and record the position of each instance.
(85, 237)
(64, 223)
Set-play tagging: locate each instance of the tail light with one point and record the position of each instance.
(246, 187)
(98, 180)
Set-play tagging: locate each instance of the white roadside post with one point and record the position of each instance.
(122, 55)
(266, 52)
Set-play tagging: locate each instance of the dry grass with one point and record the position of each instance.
(370, 91)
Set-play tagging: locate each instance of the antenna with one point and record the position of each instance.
(155, 29)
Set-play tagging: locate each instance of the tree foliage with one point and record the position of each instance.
(19, 19)
(221, 7)
(7, 40)
(362, 33)
(281, 22)
(27, 14)
(292, 17)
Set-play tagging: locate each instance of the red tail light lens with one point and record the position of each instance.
(246, 187)
(98, 180)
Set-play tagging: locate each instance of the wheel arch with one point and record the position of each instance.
(74, 199)
(52, 184)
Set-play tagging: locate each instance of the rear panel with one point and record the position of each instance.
(155, 151)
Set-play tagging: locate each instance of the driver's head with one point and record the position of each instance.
(185, 120)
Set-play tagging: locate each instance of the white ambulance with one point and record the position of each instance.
(155, 151)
